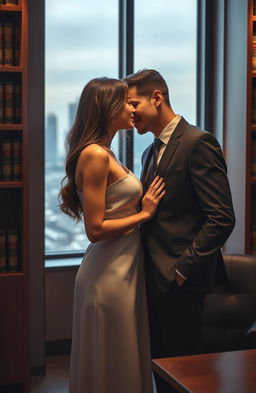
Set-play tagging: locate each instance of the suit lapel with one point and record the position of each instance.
(171, 147)
(145, 161)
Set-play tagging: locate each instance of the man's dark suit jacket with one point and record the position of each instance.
(195, 217)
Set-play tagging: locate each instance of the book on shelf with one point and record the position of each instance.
(16, 45)
(11, 160)
(1, 102)
(9, 43)
(3, 251)
(9, 250)
(10, 102)
(16, 160)
(254, 55)
(1, 43)
(17, 103)
(13, 250)
(254, 157)
(6, 160)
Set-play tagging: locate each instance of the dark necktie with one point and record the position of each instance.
(153, 161)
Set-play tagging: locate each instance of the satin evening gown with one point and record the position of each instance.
(110, 338)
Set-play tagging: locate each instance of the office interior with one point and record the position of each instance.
(224, 105)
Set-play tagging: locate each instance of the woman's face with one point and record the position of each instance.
(125, 119)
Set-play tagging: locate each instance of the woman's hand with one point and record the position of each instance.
(153, 196)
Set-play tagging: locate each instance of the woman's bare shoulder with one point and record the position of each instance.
(94, 152)
(93, 163)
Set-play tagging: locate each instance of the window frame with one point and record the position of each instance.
(126, 138)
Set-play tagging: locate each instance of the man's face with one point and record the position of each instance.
(145, 114)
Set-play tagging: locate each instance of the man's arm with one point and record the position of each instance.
(210, 182)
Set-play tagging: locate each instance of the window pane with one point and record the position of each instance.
(81, 44)
(165, 39)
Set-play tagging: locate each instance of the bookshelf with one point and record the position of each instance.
(250, 214)
(14, 294)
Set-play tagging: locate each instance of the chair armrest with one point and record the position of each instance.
(252, 329)
(251, 336)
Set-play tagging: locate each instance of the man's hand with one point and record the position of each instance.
(179, 279)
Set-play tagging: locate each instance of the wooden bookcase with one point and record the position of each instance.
(14, 294)
(250, 214)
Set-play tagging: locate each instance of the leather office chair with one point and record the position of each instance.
(230, 312)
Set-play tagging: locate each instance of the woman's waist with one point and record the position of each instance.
(119, 213)
(132, 234)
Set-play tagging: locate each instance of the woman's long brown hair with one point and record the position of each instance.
(101, 100)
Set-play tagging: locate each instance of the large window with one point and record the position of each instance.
(165, 39)
(82, 43)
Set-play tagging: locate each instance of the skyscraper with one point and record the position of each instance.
(72, 108)
(51, 139)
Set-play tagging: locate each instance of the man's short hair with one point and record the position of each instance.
(146, 81)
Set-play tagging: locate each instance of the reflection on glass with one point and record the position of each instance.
(165, 39)
(81, 44)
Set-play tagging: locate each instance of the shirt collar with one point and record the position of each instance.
(168, 130)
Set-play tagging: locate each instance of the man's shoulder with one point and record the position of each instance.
(193, 133)
(196, 139)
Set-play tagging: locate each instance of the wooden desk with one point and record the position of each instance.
(226, 372)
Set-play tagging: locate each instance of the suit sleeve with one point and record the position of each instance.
(209, 179)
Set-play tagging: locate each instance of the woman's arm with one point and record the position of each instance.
(94, 162)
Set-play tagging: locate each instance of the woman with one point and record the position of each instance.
(110, 341)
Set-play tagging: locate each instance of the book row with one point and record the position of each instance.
(9, 2)
(10, 159)
(9, 43)
(10, 102)
(9, 250)
(254, 57)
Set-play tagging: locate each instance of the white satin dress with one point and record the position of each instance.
(110, 338)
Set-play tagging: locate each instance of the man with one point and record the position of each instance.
(183, 241)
